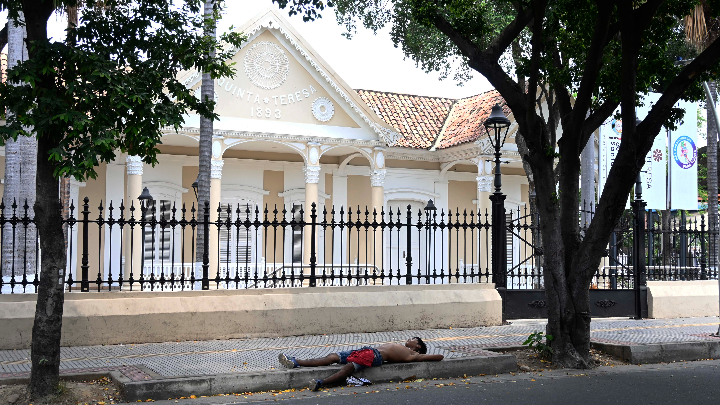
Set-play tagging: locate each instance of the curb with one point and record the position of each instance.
(285, 379)
(662, 352)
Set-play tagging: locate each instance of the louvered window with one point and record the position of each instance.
(235, 241)
(157, 242)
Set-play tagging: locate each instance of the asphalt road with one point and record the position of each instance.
(676, 383)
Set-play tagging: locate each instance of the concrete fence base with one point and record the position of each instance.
(145, 317)
(682, 299)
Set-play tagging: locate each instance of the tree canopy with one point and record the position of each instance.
(559, 65)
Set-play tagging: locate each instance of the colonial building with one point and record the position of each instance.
(291, 133)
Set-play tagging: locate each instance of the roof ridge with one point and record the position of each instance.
(441, 134)
(407, 94)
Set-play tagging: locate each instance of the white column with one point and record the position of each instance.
(340, 201)
(484, 190)
(133, 243)
(216, 166)
(312, 177)
(377, 182)
(115, 179)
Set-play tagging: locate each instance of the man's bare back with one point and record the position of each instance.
(396, 353)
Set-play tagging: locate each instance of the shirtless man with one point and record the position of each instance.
(356, 360)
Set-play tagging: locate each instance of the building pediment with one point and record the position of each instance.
(282, 82)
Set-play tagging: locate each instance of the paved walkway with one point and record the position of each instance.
(159, 360)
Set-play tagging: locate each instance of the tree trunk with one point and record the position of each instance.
(45, 349)
(45, 345)
(207, 92)
(712, 173)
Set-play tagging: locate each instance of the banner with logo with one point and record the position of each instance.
(654, 174)
(683, 160)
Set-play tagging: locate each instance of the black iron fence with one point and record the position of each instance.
(153, 247)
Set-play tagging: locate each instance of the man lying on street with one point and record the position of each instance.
(355, 360)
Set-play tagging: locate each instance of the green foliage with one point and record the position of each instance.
(116, 89)
(540, 343)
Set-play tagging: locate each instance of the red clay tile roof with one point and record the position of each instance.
(466, 118)
(418, 119)
(3, 67)
(421, 120)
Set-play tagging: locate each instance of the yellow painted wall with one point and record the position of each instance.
(464, 244)
(95, 191)
(274, 182)
(189, 174)
(359, 196)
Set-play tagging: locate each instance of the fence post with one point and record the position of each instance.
(638, 247)
(313, 258)
(408, 274)
(85, 268)
(499, 241)
(206, 247)
(703, 252)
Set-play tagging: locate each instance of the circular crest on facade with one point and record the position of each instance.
(323, 109)
(684, 152)
(266, 65)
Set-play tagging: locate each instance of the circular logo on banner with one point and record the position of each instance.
(684, 152)
(617, 126)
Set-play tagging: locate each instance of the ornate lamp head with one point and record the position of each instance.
(497, 121)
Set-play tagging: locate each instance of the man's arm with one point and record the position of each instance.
(427, 357)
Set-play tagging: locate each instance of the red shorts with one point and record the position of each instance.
(362, 357)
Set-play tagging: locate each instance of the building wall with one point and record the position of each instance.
(95, 191)
(359, 198)
(464, 245)
(274, 182)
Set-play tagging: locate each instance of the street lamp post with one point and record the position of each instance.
(498, 124)
(195, 187)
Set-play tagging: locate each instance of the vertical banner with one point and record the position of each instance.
(610, 135)
(683, 160)
(653, 175)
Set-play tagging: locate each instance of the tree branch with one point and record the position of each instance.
(508, 34)
(487, 67)
(593, 63)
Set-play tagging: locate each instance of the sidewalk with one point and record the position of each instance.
(163, 361)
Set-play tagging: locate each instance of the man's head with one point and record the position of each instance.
(416, 344)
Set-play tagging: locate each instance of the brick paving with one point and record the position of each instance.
(253, 355)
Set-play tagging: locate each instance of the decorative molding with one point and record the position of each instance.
(312, 174)
(605, 303)
(164, 190)
(298, 142)
(377, 177)
(380, 160)
(266, 77)
(216, 167)
(217, 149)
(411, 194)
(323, 109)
(313, 155)
(538, 304)
(485, 183)
(134, 165)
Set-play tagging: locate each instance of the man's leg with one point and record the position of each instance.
(292, 362)
(331, 358)
(344, 372)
